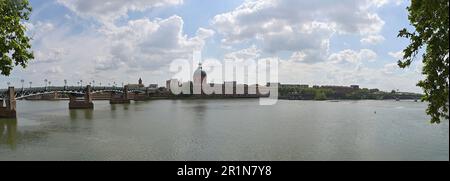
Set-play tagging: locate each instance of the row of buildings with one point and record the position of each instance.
(200, 87)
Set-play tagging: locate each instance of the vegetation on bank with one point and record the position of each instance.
(333, 93)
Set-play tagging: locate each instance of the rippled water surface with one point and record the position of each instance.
(237, 129)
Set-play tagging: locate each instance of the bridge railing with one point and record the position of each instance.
(74, 89)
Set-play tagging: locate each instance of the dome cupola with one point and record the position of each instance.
(199, 75)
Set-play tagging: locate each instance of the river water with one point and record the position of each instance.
(224, 129)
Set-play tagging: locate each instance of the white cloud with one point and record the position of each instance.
(50, 55)
(54, 70)
(390, 68)
(397, 55)
(293, 25)
(148, 45)
(298, 56)
(245, 54)
(137, 48)
(39, 29)
(328, 73)
(345, 67)
(380, 3)
(107, 11)
(398, 2)
(372, 39)
(351, 56)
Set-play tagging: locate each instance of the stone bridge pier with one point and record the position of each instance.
(140, 96)
(120, 98)
(9, 110)
(85, 103)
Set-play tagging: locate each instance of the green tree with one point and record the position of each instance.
(14, 44)
(430, 39)
(320, 95)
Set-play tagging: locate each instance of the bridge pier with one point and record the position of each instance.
(120, 98)
(140, 97)
(9, 111)
(86, 103)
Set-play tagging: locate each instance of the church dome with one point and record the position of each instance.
(199, 74)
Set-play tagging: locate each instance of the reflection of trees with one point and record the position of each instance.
(8, 132)
(12, 135)
(88, 114)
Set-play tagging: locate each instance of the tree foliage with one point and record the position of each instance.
(430, 39)
(14, 44)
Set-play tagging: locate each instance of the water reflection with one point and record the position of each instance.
(73, 113)
(8, 132)
(199, 109)
(113, 107)
(223, 130)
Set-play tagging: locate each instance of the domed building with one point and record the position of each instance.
(199, 79)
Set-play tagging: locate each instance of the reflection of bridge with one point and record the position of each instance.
(119, 95)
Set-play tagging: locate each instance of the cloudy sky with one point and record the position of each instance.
(323, 42)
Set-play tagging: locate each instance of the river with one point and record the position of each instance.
(224, 129)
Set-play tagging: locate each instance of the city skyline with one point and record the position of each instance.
(122, 41)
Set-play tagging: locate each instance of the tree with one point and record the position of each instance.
(320, 95)
(430, 39)
(14, 44)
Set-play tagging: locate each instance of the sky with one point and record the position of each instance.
(321, 42)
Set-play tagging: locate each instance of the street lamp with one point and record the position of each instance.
(22, 82)
(65, 83)
(81, 83)
(30, 83)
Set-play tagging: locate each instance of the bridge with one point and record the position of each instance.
(119, 95)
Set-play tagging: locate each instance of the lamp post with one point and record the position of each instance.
(22, 81)
(30, 84)
(81, 83)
